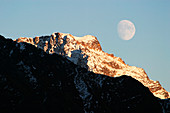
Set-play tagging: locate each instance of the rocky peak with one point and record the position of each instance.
(87, 41)
(32, 81)
(87, 53)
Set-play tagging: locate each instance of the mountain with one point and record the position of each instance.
(87, 52)
(33, 81)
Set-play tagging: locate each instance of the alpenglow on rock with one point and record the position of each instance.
(33, 81)
(87, 52)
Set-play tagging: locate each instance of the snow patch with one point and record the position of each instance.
(16, 45)
(83, 90)
(86, 38)
(22, 46)
(27, 70)
(81, 86)
(10, 53)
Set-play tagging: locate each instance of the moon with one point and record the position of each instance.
(126, 29)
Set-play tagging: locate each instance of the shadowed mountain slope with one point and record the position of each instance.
(32, 81)
(87, 53)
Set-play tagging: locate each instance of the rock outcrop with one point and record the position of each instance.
(32, 81)
(87, 52)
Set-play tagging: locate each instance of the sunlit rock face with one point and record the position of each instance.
(33, 81)
(87, 52)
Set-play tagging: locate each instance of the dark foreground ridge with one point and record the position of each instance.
(32, 81)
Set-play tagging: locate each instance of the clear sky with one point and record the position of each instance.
(149, 48)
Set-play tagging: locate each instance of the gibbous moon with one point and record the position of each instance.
(126, 29)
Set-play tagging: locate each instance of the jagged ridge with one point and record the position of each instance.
(32, 81)
(87, 52)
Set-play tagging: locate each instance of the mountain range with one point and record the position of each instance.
(63, 73)
(87, 52)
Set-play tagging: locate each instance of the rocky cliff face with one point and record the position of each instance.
(87, 52)
(32, 81)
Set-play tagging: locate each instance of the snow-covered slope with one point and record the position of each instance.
(32, 81)
(87, 52)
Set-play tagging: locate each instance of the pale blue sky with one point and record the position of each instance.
(149, 49)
